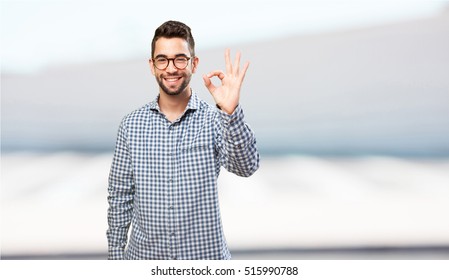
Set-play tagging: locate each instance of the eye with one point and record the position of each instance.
(181, 59)
(161, 60)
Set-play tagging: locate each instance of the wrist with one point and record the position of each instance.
(227, 110)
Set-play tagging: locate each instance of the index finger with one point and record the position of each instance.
(216, 73)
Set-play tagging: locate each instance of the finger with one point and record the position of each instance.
(217, 73)
(228, 61)
(208, 83)
(237, 63)
(245, 68)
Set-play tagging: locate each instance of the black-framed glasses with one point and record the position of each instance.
(179, 62)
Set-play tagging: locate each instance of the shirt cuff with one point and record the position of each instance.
(235, 116)
(115, 253)
(235, 131)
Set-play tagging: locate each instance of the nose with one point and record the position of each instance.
(171, 66)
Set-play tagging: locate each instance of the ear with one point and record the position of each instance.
(150, 61)
(195, 63)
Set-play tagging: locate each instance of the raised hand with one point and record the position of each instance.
(227, 95)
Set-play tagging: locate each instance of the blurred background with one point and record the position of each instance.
(349, 101)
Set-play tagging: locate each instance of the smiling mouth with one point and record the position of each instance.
(172, 79)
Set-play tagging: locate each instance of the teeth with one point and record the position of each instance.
(172, 79)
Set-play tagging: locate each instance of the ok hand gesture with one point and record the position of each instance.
(227, 95)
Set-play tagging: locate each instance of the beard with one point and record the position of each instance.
(174, 90)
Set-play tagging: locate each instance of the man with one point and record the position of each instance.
(163, 178)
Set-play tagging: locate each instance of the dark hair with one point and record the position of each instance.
(174, 29)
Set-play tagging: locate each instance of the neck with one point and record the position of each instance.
(174, 105)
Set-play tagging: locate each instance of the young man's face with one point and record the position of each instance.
(172, 80)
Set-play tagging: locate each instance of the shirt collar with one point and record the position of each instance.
(194, 103)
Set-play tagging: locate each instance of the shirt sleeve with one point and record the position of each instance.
(236, 144)
(120, 198)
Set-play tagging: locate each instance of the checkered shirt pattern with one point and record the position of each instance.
(163, 181)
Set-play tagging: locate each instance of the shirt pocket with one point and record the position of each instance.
(196, 163)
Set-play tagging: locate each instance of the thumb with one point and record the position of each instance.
(208, 84)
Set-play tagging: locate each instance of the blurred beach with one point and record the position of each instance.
(54, 206)
(352, 124)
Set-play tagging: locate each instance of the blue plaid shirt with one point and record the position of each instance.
(163, 181)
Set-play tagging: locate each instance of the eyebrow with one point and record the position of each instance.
(176, 55)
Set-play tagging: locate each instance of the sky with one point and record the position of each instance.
(38, 34)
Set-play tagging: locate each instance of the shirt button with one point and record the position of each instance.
(171, 207)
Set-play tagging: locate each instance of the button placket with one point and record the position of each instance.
(171, 186)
